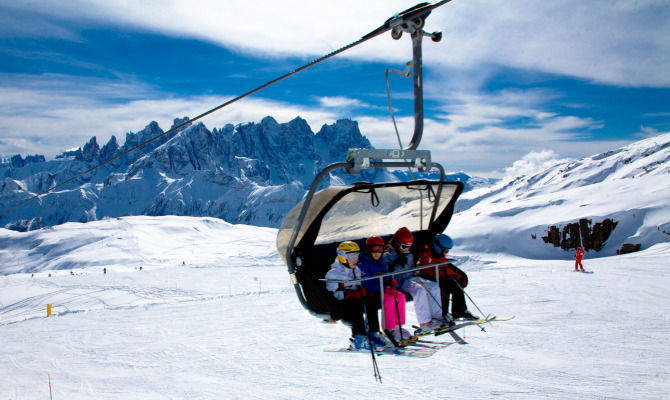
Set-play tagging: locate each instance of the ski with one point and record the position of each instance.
(453, 334)
(454, 327)
(503, 319)
(457, 337)
(435, 346)
(408, 340)
(390, 336)
(420, 352)
(434, 342)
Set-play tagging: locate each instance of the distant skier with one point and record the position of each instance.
(350, 296)
(579, 254)
(452, 278)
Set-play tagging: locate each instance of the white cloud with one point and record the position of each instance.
(46, 116)
(50, 114)
(480, 134)
(531, 163)
(617, 42)
(648, 131)
(340, 102)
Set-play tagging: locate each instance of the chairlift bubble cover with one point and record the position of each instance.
(337, 214)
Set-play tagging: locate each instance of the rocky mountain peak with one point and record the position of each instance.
(253, 173)
(89, 152)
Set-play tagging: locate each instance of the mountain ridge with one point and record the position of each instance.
(252, 173)
(629, 186)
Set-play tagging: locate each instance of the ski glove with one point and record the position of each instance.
(355, 294)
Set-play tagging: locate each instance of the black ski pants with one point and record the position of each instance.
(450, 290)
(351, 312)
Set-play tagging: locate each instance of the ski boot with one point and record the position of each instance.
(466, 315)
(360, 342)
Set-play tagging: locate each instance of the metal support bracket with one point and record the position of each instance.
(365, 158)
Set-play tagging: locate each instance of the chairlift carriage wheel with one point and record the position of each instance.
(418, 23)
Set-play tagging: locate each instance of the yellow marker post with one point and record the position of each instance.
(48, 310)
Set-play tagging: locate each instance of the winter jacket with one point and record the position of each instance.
(579, 254)
(396, 261)
(447, 270)
(340, 271)
(370, 267)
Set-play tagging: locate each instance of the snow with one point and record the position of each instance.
(630, 185)
(212, 314)
(199, 308)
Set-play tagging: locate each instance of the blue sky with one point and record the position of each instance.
(512, 86)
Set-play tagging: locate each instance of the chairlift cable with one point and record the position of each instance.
(418, 10)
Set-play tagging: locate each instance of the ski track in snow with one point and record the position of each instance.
(205, 332)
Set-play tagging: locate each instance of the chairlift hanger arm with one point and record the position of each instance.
(412, 22)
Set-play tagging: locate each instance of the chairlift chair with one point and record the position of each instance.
(312, 230)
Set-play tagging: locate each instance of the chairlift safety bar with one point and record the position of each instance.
(381, 281)
(386, 274)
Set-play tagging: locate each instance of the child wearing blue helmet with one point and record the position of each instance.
(452, 279)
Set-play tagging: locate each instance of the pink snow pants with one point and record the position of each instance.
(391, 313)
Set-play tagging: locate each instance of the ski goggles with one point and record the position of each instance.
(443, 250)
(405, 246)
(376, 249)
(351, 257)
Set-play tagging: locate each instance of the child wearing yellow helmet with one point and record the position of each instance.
(350, 296)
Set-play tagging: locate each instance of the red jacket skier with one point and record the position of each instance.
(579, 254)
(452, 279)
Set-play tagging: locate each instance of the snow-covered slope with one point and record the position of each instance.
(630, 185)
(212, 315)
(128, 242)
(202, 309)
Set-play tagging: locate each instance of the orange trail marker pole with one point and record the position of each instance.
(50, 394)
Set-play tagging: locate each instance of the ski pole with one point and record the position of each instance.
(375, 368)
(420, 280)
(468, 296)
(397, 312)
(465, 293)
(381, 299)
